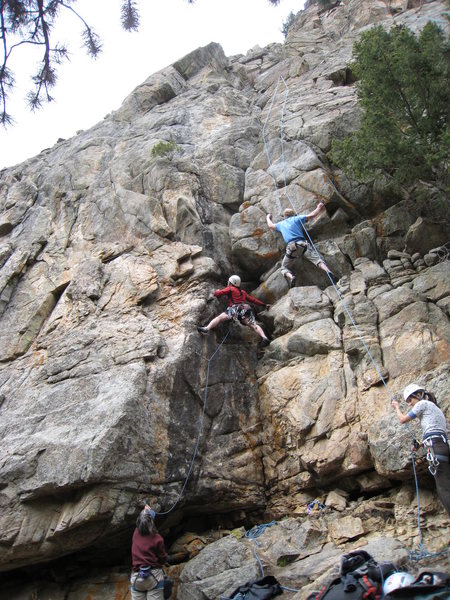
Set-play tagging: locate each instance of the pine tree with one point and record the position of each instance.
(31, 22)
(287, 23)
(403, 90)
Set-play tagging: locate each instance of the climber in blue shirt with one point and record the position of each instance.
(293, 232)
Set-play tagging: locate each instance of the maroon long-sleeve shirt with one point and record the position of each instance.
(147, 551)
(237, 296)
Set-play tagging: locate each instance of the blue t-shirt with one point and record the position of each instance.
(291, 228)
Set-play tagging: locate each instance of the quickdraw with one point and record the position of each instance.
(433, 458)
(433, 462)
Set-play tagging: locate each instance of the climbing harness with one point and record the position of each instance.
(292, 247)
(238, 312)
(421, 553)
(202, 418)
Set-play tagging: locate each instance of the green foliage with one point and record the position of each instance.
(286, 24)
(238, 533)
(403, 90)
(163, 148)
(284, 561)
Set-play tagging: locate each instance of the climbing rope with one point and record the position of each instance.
(421, 553)
(202, 418)
(269, 161)
(443, 252)
(253, 534)
(306, 231)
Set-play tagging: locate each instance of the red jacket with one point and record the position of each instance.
(237, 296)
(147, 550)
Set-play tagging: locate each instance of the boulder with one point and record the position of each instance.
(424, 234)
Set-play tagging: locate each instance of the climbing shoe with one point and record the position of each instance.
(203, 330)
(288, 279)
(264, 342)
(292, 282)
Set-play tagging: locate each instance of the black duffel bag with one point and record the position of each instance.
(259, 589)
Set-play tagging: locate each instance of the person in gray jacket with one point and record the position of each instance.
(434, 435)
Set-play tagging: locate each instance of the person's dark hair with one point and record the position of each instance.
(145, 524)
(431, 397)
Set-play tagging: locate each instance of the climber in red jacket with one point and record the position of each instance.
(238, 309)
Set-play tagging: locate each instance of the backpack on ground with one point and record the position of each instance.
(360, 578)
(259, 589)
(429, 585)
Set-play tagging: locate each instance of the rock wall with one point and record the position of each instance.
(111, 244)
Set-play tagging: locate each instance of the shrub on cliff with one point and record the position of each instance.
(163, 149)
(403, 90)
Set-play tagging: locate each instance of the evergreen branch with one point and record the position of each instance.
(6, 78)
(91, 39)
(129, 15)
(402, 94)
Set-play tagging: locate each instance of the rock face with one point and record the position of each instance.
(111, 244)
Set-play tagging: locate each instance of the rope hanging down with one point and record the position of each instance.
(269, 162)
(202, 418)
(307, 233)
(421, 553)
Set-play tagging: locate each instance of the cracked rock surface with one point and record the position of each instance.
(111, 245)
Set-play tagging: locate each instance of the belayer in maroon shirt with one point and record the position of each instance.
(238, 309)
(148, 555)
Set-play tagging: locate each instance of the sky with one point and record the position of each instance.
(87, 89)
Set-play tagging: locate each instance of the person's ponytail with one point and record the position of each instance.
(431, 397)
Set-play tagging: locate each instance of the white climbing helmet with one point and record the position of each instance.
(235, 280)
(412, 388)
(396, 581)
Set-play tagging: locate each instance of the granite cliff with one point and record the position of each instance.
(111, 245)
